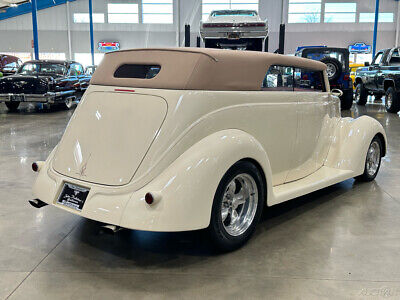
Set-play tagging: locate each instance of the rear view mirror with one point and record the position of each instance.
(366, 64)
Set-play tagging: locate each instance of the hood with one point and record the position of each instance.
(108, 136)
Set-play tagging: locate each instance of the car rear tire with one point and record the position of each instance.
(256, 45)
(210, 43)
(237, 207)
(334, 67)
(392, 101)
(346, 101)
(12, 106)
(361, 94)
(372, 160)
(68, 103)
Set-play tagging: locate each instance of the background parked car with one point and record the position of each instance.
(90, 70)
(380, 78)
(234, 29)
(9, 64)
(85, 80)
(43, 81)
(353, 69)
(337, 61)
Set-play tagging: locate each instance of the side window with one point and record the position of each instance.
(278, 78)
(308, 80)
(378, 59)
(10, 67)
(73, 71)
(76, 70)
(395, 59)
(79, 69)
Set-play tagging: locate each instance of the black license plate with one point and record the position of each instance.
(73, 196)
(234, 36)
(18, 98)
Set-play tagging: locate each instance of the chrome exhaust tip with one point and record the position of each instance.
(37, 203)
(110, 229)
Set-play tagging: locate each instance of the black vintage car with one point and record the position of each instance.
(381, 78)
(44, 81)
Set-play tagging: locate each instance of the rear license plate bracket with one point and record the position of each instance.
(73, 196)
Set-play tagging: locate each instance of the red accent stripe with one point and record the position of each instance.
(122, 90)
(214, 25)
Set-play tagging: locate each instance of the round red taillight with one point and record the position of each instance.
(149, 198)
(35, 167)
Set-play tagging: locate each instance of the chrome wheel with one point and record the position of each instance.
(373, 158)
(389, 100)
(69, 102)
(330, 69)
(357, 94)
(239, 204)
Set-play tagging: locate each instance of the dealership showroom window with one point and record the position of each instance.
(212, 149)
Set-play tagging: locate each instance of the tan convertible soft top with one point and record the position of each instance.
(197, 68)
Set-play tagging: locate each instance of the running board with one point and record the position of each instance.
(323, 177)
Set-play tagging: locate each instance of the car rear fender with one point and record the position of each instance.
(350, 143)
(187, 187)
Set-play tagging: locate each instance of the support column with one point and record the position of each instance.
(35, 29)
(397, 25)
(69, 32)
(178, 21)
(91, 30)
(375, 28)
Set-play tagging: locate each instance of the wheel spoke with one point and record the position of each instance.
(234, 217)
(239, 198)
(231, 188)
(224, 213)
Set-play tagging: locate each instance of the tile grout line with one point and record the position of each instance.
(290, 277)
(33, 270)
(390, 196)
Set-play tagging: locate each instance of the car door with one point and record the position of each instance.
(392, 60)
(72, 78)
(317, 114)
(276, 120)
(372, 72)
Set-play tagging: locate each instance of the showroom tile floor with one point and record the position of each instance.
(341, 242)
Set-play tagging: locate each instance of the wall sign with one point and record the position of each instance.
(108, 46)
(360, 48)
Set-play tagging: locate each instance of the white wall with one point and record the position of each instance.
(16, 33)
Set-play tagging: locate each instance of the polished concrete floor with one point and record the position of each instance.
(339, 243)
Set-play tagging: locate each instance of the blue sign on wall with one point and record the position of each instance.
(360, 48)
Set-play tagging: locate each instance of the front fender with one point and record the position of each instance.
(350, 143)
(187, 187)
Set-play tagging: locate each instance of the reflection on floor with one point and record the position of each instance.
(341, 242)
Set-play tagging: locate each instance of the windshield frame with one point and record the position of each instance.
(234, 12)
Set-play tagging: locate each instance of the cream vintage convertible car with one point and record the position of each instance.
(184, 139)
